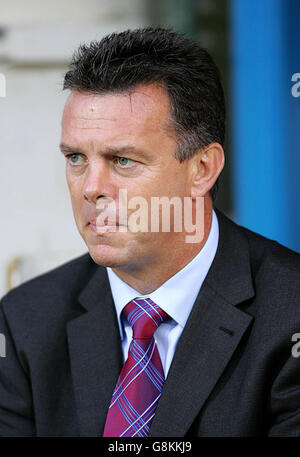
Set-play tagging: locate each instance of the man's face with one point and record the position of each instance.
(113, 142)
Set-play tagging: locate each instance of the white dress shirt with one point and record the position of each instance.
(176, 297)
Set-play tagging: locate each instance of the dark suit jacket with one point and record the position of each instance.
(233, 373)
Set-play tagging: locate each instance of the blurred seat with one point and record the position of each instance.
(22, 268)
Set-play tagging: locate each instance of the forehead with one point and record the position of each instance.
(143, 110)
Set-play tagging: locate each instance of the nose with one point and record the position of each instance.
(97, 183)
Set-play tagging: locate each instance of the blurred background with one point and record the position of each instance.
(256, 45)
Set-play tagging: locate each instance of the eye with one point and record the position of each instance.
(124, 162)
(75, 159)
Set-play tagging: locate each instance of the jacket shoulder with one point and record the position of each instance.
(267, 251)
(58, 287)
(276, 276)
(272, 264)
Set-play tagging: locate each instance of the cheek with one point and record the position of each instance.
(74, 183)
(75, 192)
(169, 183)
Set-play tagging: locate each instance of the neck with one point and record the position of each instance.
(149, 278)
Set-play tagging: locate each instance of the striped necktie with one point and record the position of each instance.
(141, 380)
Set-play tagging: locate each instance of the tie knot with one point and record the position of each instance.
(144, 316)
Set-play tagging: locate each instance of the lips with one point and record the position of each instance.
(107, 226)
(106, 223)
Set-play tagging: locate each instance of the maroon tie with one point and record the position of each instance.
(141, 380)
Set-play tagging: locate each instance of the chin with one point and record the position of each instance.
(107, 256)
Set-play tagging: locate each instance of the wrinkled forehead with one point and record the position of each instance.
(144, 106)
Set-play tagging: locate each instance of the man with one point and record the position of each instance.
(152, 334)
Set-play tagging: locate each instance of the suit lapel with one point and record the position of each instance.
(95, 353)
(210, 337)
(208, 341)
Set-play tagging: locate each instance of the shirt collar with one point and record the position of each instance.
(177, 295)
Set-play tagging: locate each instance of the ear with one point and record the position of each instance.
(205, 167)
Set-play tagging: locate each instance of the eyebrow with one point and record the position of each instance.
(72, 149)
(108, 151)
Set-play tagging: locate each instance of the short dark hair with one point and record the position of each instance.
(123, 61)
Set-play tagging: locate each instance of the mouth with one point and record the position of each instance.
(103, 228)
